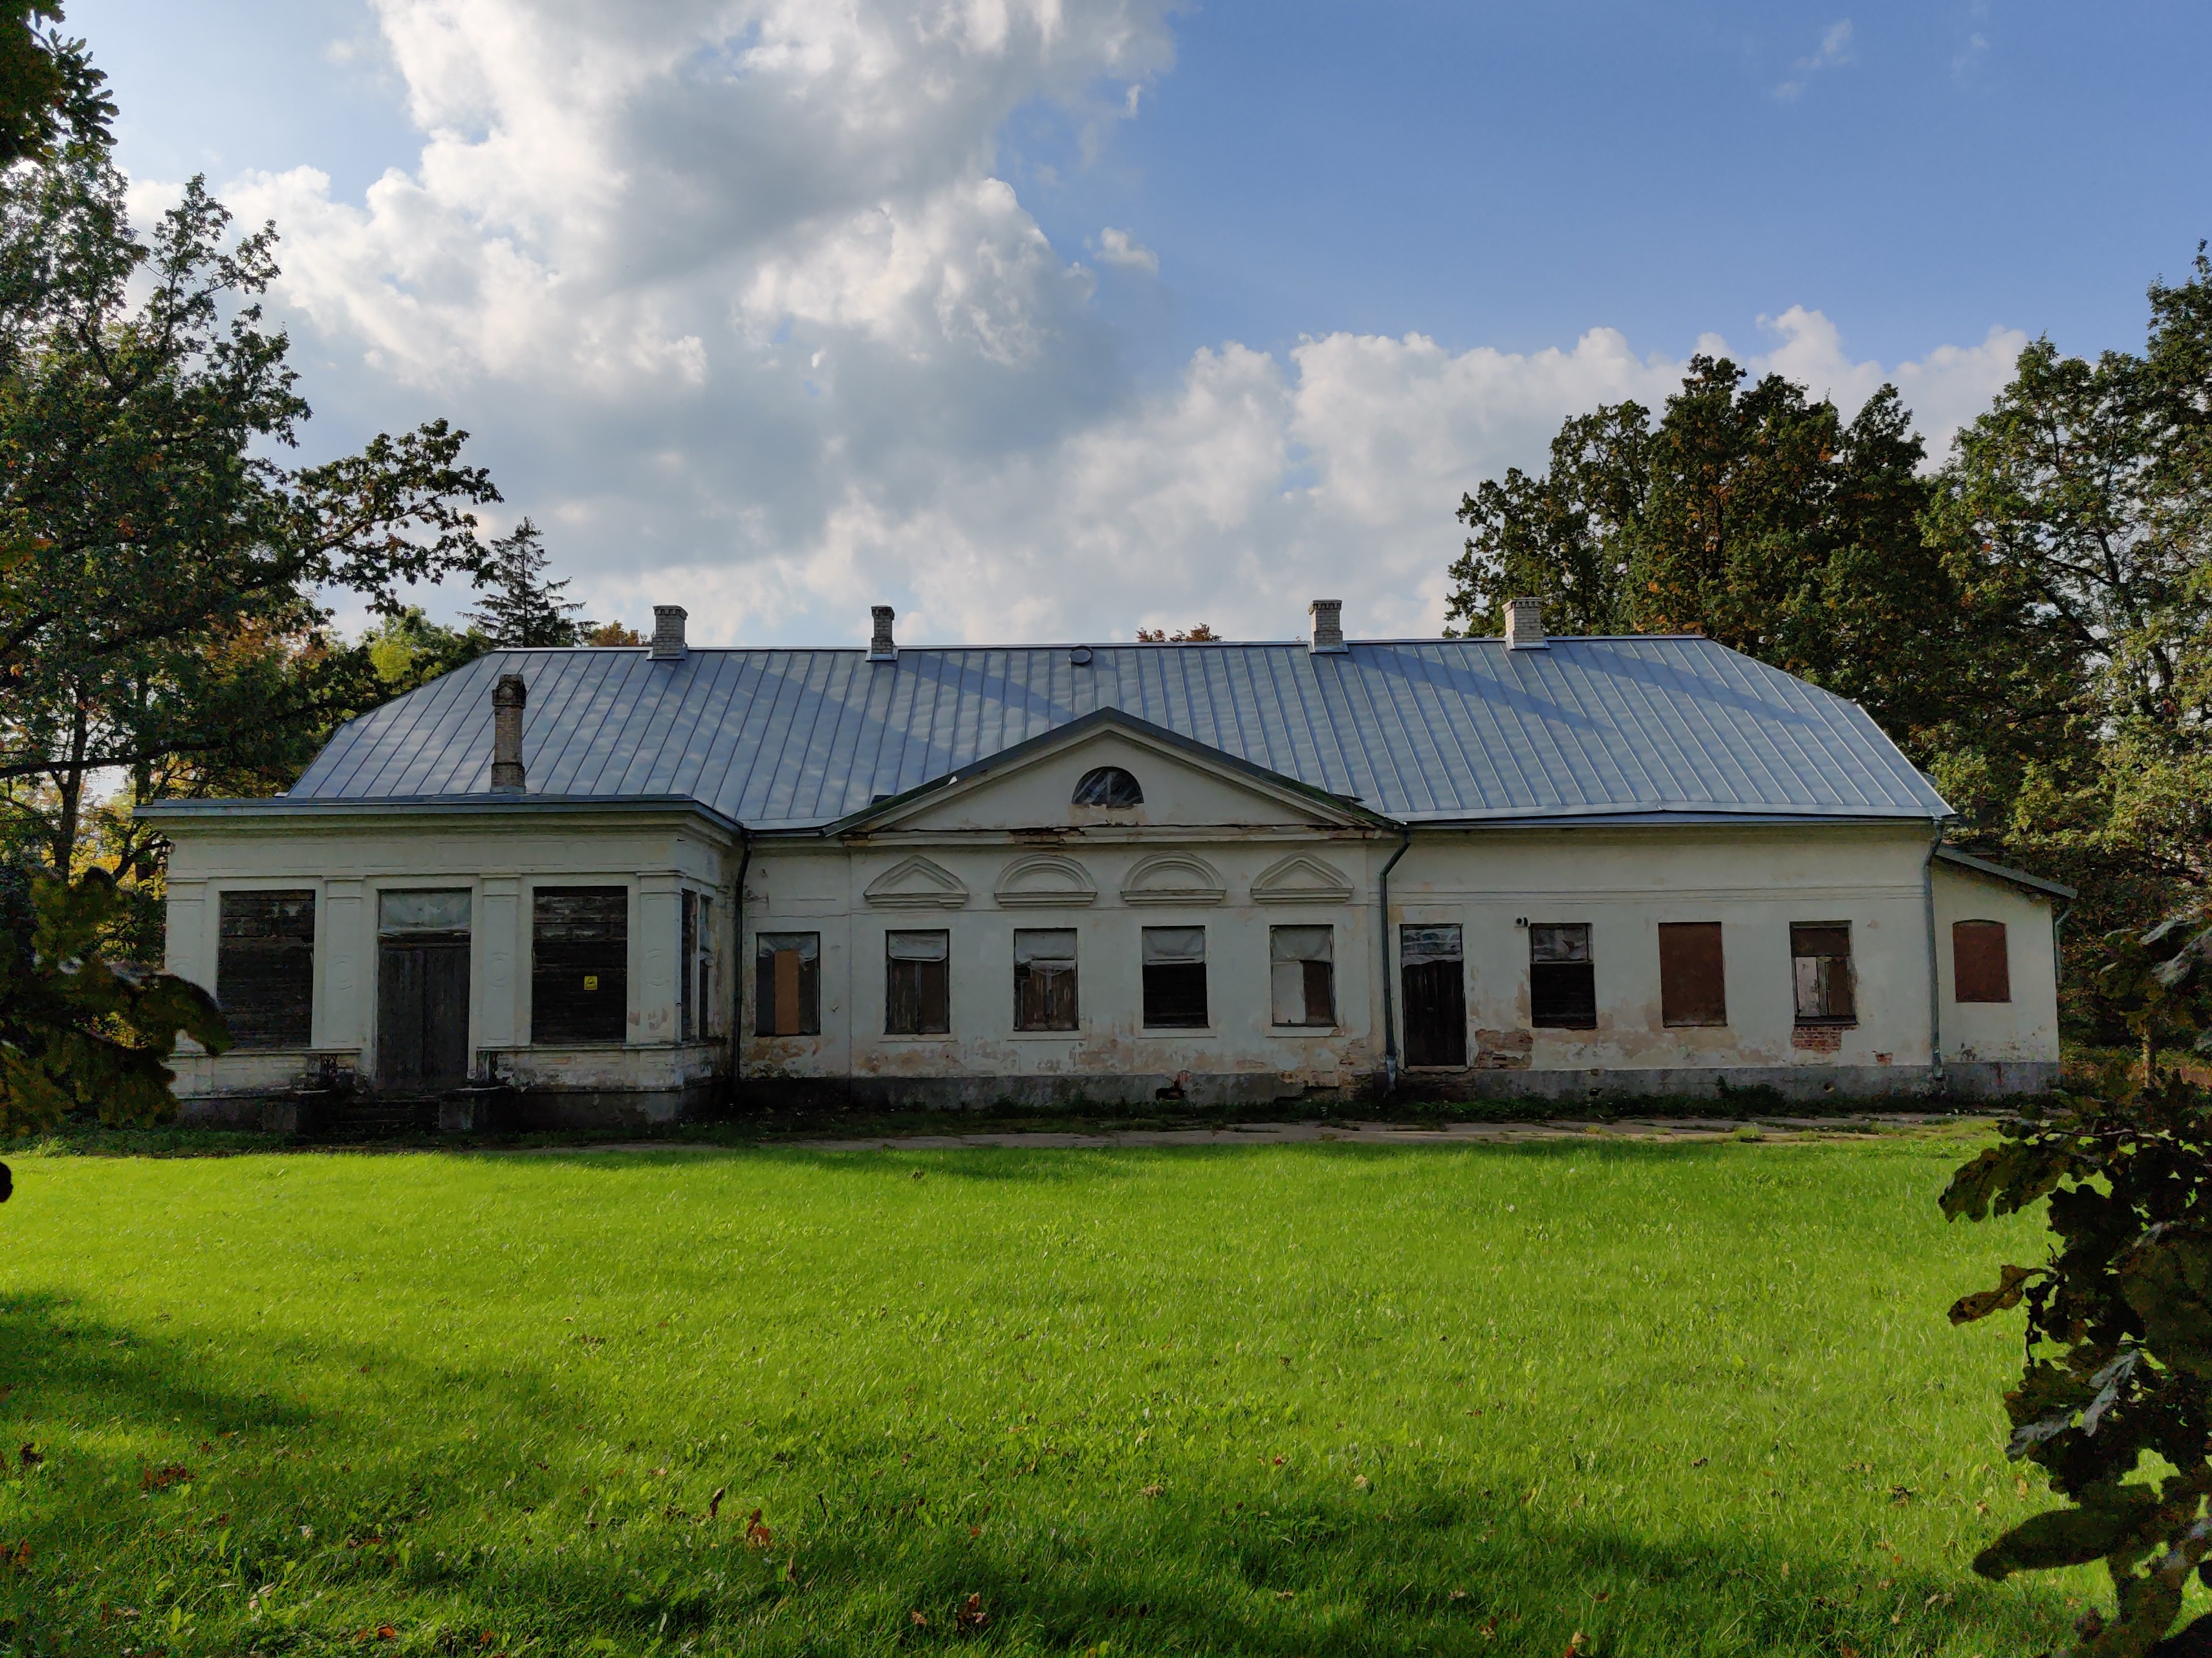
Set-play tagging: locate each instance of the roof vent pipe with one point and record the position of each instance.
(508, 698)
(882, 648)
(668, 633)
(1524, 625)
(1328, 627)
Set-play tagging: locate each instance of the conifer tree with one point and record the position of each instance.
(521, 609)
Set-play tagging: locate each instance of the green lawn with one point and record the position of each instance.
(1291, 1400)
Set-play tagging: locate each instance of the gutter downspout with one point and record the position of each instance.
(1390, 1012)
(1935, 974)
(738, 966)
(2059, 946)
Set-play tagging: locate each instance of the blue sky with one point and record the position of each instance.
(1063, 320)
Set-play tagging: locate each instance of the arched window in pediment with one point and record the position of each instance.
(1108, 786)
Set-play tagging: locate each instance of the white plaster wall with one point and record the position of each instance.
(2027, 1027)
(499, 860)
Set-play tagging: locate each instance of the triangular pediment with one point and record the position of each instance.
(1109, 769)
(917, 884)
(1301, 878)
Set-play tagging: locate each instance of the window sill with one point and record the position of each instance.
(1827, 1024)
(1162, 1033)
(1045, 1035)
(1540, 1025)
(1302, 1030)
(1697, 1025)
(932, 1038)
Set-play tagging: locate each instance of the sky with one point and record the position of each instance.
(1051, 320)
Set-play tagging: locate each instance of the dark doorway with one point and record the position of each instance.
(1435, 982)
(423, 991)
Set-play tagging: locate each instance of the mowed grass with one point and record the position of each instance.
(1280, 1400)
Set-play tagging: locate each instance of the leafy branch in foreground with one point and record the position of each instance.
(2119, 1346)
(77, 1029)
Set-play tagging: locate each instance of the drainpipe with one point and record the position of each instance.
(1934, 977)
(738, 965)
(1389, 1014)
(2057, 945)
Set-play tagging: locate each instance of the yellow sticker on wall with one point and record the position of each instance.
(591, 982)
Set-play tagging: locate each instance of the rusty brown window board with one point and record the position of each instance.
(1692, 988)
(1981, 968)
(788, 984)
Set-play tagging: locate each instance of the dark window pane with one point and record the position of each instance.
(1436, 1013)
(1820, 962)
(1563, 995)
(1980, 969)
(788, 984)
(1691, 987)
(578, 965)
(687, 953)
(1174, 995)
(264, 972)
(1108, 786)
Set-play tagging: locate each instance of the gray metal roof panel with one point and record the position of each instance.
(1423, 730)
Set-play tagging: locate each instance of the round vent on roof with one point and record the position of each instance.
(1108, 786)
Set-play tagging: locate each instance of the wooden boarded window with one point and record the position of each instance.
(1044, 979)
(1821, 963)
(1175, 978)
(1692, 988)
(1431, 969)
(1562, 978)
(917, 984)
(1981, 970)
(580, 965)
(264, 967)
(788, 984)
(1302, 974)
(696, 981)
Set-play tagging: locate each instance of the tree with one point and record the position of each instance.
(48, 87)
(607, 632)
(407, 649)
(1756, 516)
(522, 610)
(159, 562)
(2117, 1382)
(1199, 635)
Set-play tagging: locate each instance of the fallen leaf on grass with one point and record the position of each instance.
(920, 1622)
(1361, 1481)
(1577, 1643)
(1457, 1594)
(715, 1503)
(160, 1479)
(1153, 1490)
(757, 1534)
(1286, 1595)
(31, 1457)
(1701, 1462)
(19, 1556)
(971, 1615)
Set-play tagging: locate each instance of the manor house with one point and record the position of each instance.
(625, 884)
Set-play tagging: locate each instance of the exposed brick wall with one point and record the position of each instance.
(1817, 1038)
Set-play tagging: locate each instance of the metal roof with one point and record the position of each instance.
(2019, 877)
(1435, 729)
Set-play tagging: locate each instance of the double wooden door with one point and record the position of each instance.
(423, 993)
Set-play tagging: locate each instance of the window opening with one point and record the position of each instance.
(580, 965)
(1044, 979)
(1692, 988)
(1820, 960)
(917, 984)
(264, 967)
(1175, 978)
(1435, 983)
(1980, 969)
(1562, 980)
(695, 993)
(788, 984)
(1108, 786)
(1302, 974)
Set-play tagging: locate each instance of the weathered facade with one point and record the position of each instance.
(645, 880)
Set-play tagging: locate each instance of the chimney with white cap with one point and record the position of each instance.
(1524, 625)
(882, 648)
(668, 633)
(1328, 627)
(508, 698)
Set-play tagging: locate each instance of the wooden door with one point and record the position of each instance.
(1433, 976)
(422, 1015)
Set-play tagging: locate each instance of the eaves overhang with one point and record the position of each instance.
(2019, 877)
(294, 808)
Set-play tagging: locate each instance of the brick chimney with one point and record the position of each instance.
(1524, 625)
(1328, 627)
(882, 648)
(668, 633)
(508, 698)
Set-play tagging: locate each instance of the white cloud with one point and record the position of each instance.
(1118, 247)
(1835, 52)
(741, 311)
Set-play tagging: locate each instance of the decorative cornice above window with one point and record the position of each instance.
(1301, 879)
(1045, 880)
(1173, 877)
(917, 884)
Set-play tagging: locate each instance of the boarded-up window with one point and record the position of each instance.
(788, 984)
(1980, 970)
(1431, 969)
(1302, 974)
(1562, 979)
(264, 968)
(1821, 961)
(580, 965)
(1044, 979)
(1175, 978)
(1691, 989)
(917, 984)
(695, 988)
